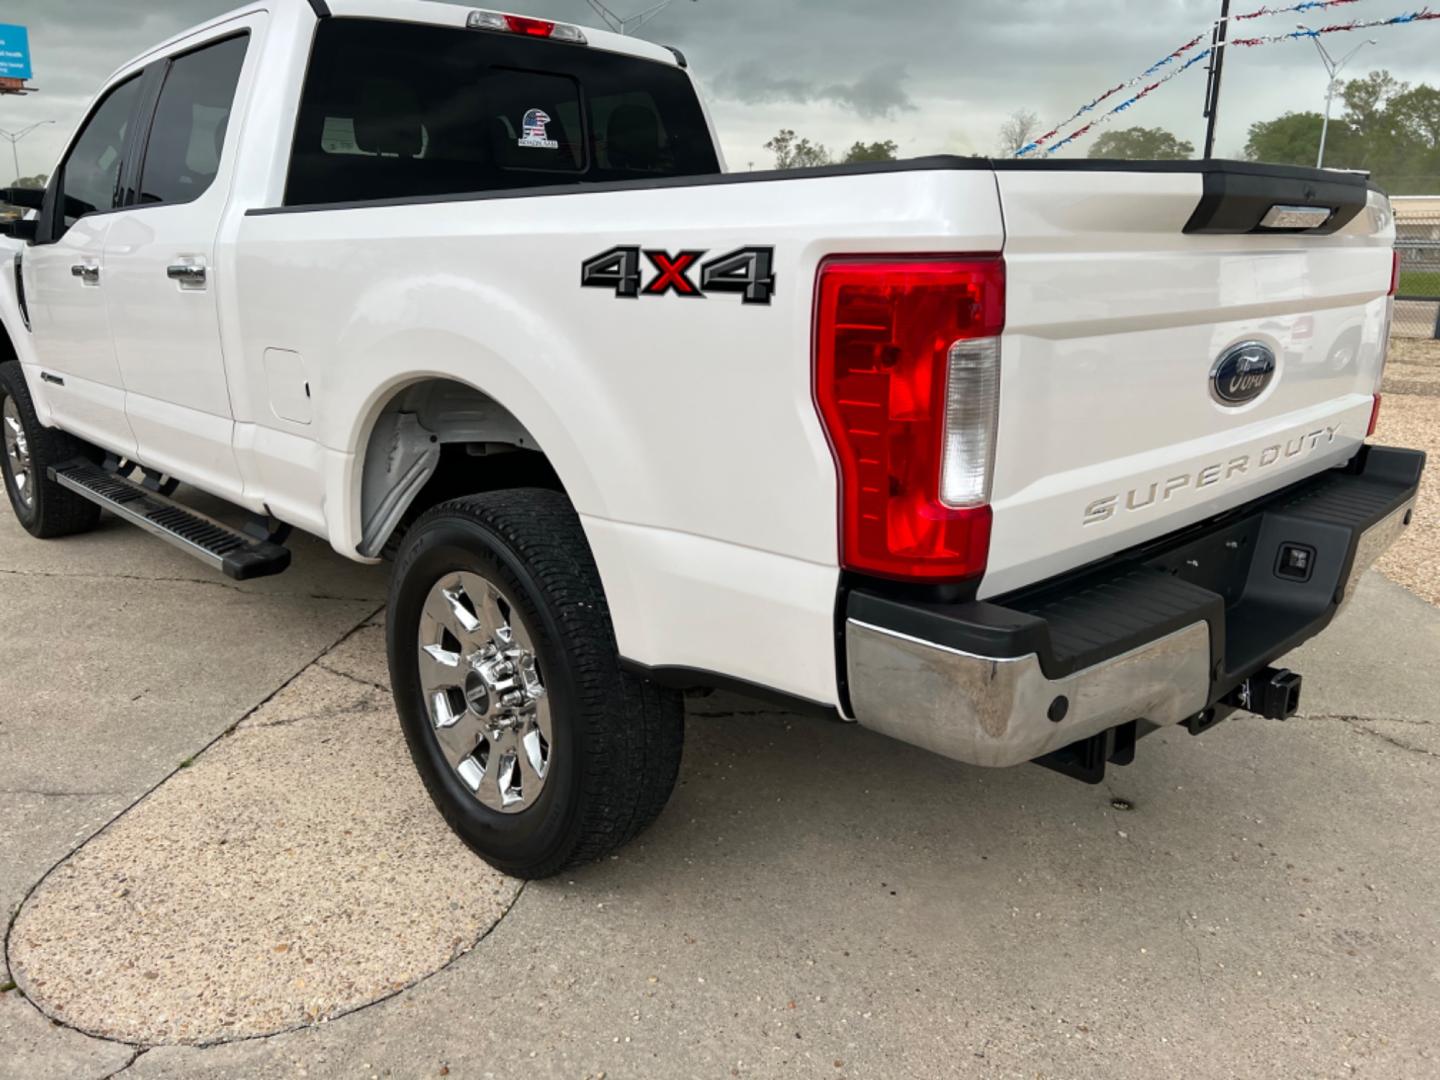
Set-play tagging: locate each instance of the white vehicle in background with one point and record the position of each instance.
(1015, 462)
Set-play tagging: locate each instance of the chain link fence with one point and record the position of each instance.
(1417, 305)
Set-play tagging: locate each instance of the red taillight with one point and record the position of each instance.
(907, 384)
(1374, 417)
(1395, 273)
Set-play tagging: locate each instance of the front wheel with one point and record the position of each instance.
(44, 507)
(537, 748)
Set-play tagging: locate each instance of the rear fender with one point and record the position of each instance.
(464, 332)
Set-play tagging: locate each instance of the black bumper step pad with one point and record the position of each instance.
(1112, 615)
(226, 549)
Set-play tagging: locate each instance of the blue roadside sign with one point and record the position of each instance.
(14, 53)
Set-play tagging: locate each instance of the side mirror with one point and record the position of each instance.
(24, 197)
(21, 229)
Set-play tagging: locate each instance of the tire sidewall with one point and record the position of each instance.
(437, 547)
(27, 516)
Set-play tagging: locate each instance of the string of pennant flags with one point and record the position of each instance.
(1423, 15)
(1182, 54)
(1080, 133)
(1307, 5)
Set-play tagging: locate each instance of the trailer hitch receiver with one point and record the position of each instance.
(1271, 693)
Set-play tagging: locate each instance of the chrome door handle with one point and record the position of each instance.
(189, 275)
(88, 273)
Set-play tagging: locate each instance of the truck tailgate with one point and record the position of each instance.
(1127, 289)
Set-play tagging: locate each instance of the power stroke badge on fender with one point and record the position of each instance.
(1242, 374)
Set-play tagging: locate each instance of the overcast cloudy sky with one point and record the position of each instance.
(934, 75)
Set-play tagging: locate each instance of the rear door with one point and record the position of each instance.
(66, 275)
(160, 254)
(1167, 356)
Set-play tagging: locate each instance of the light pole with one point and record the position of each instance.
(628, 24)
(15, 136)
(1334, 69)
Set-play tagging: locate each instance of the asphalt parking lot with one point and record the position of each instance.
(215, 862)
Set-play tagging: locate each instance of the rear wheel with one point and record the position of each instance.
(44, 507)
(537, 748)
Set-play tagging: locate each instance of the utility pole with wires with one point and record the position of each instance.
(14, 137)
(1215, 70)
(628, 24)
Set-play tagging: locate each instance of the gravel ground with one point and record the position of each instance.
(1411, 417)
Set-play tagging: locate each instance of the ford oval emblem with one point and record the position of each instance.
(1242, 373)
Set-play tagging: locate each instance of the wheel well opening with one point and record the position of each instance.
(8, 351)
(438, 440)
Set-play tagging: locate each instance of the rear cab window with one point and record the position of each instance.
(396, 110)
(192, 116)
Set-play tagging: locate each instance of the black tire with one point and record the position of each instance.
(617, 738)
(52, 511)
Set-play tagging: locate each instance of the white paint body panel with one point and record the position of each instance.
(1114, 320)
(684, 430)
(72, 336)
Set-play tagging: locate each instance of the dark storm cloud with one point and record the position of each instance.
(933, 74)
(877, 94)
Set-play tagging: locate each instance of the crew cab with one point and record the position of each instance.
(1015, 462)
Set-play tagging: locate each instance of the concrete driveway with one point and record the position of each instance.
(816, 901)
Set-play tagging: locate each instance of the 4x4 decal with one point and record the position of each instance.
(749, 271)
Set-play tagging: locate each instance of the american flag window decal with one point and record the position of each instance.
(534, 134)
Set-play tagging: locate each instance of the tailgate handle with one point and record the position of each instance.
(1296, 217)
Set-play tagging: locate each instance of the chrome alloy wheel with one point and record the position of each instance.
(483, 691)
(17, 449)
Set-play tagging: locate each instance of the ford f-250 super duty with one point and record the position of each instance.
(1013, 462)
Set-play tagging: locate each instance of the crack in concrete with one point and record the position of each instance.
(140, 1051)
(48, 794)
(357, 708)
(353, 678)
(1397, 743)
(6, 967)
(460, 954)
(209, 582)
(1347, 718)
(1361, 724)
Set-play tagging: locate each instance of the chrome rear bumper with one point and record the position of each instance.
(1005, 710)
(999, 712)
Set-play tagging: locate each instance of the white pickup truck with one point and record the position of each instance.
(1014, 462)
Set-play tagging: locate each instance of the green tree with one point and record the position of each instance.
(1388, 128)
(1142, 144)
(1417, 114)
(1294, 139)
(875, 151)
(793, 152)
(1367, 102)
